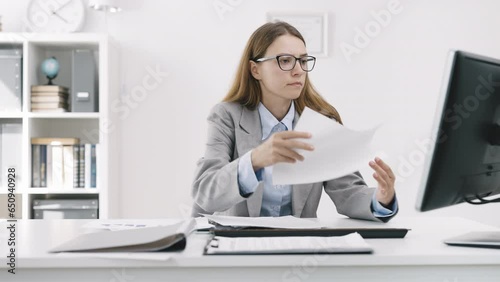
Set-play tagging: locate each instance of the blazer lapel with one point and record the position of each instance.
(254, 202)
(249, 133)
(300, 193)
(249, 136)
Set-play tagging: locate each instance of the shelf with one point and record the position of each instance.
(64, 115)
(67, 40)
(18, 125)
(4, 191)
(14, 38)
(11, 115)
(67, 115)
(35, 190)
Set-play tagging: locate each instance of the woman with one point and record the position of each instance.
(251, 130)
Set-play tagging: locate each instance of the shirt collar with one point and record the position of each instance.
(268, 121)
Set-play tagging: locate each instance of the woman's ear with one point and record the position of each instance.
(254, 70)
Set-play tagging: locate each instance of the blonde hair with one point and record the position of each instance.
(246, 90)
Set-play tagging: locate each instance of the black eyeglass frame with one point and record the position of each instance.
(287, 55)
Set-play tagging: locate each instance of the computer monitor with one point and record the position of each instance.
(463, 161)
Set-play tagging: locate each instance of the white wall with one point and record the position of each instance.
(395, 79)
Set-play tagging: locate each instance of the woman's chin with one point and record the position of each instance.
(294, 95)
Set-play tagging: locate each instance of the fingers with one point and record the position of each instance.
(385, 167)
(287, 139)
(294, 144)
(289, 134)
(380, 174)
(287, 148)
(288, 153)
(382, 184)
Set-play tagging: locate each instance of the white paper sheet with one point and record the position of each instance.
(351, 243)
(122, 224)
(271, 222)
(338, 151)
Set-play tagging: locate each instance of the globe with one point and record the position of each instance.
(50, 67)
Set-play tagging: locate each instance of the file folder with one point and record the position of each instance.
(365, 232)
(148, 239)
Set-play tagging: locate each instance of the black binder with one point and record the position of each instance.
(367, 233)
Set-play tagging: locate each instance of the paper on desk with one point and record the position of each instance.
(122, 224)
(271, 222)
(338, 151)
(351, 243)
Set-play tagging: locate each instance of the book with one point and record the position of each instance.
(88, 162)
(49, 166)
(54, 141)
(57, 166)
(58, 110)
(81, 166)
(348, 244)
(46, 99)
(93, 166)
(49, 88)
(68, 167)
(49, 105)
(141, 239)
(35, 165)
(49, 94)
(43, 165)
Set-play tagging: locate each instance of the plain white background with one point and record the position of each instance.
(395, 80)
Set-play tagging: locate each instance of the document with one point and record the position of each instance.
(148, 239)
(338, 151)
(234, 226)
(351, 243)
(269, 222)
(124, 224)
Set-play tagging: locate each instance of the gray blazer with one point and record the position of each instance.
(233, 130)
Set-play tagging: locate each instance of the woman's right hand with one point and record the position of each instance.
(279, 148)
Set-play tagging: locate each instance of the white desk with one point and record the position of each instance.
(421, 256)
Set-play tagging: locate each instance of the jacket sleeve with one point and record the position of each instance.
(215, 186)
(352, 197)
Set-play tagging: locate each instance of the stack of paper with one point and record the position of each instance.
(268, 222)
(351, 243)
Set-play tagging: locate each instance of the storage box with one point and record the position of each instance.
(65, 209)
(10, 78)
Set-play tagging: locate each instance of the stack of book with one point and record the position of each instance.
(63, 163)
(49, 98)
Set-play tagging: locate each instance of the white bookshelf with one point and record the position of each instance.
(89, 127)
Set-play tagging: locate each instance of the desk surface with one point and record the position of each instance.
(422, 247)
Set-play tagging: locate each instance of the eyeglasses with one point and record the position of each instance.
(287, 62)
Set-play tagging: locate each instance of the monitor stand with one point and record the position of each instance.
(476, 239)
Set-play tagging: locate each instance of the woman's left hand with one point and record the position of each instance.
(385, 178)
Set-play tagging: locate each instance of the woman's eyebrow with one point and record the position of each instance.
(301, 55)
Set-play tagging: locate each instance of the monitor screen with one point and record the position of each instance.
(463, 160)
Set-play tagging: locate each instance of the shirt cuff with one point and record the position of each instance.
(248, 180)
(381, 211)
